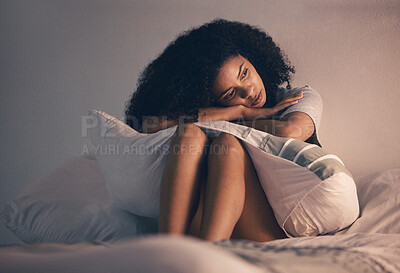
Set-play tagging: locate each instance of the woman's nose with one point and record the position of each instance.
(247, 92)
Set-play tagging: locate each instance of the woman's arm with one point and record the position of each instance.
(237, 113)
(297, 125)
(154, 124)
(300, 121)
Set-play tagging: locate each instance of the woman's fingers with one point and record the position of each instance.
(293, 97)
(251, 113)
(290, 100)
(284, 105)
(286, 102)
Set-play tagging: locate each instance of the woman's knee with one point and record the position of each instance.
(189, 130)
(189, 139)
(190, 133)
(226, 145)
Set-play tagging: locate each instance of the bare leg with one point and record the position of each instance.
(256, 221)
(225, 190)
(179, 194)
(194, 227)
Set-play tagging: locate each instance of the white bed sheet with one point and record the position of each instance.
(340, 253)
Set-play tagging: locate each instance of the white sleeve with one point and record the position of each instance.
(311, 104)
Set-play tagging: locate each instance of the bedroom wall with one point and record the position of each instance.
(61, 58)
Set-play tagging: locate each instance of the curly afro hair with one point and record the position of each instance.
(179, 81)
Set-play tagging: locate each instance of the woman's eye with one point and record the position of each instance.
(244, 74)
(230, 95)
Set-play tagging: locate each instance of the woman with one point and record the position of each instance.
(220, 71)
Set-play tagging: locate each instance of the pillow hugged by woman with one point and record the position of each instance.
(260, 174)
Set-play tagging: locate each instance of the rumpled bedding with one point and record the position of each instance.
(371, 244)
(339, 253)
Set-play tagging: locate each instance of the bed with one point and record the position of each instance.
(70, 223)
(342, 253)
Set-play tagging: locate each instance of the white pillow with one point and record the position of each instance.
(69, 205)
(379, 198)
(132, 164)
(133, 179)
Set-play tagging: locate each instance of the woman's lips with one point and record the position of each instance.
(257, 100)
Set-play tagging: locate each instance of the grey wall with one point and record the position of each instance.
(61, 58)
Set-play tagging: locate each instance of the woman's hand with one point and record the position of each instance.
(256, 113)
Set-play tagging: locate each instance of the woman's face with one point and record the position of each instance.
(239, 83)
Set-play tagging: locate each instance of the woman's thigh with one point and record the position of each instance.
(257, 221)
(194, 226)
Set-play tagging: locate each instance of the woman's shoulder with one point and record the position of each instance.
(311, 98)
(311, 104)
